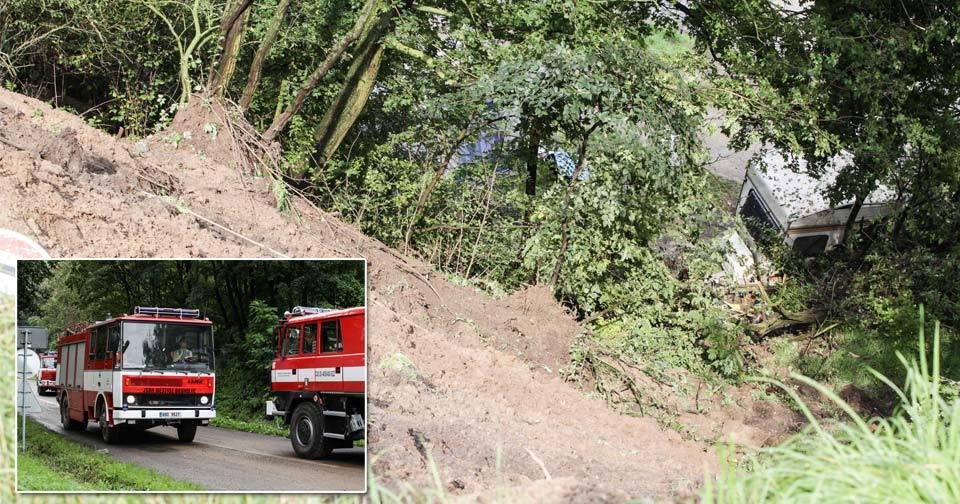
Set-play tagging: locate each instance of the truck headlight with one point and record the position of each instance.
(131, 399)
(204, 399)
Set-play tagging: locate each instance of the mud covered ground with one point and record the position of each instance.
(454, 374)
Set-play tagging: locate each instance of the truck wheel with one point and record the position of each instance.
(109, 434)
(65, 421)
(186, 431)
(306, 432)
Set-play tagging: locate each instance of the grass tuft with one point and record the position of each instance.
(912, 456)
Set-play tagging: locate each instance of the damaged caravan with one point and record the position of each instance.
(777, 201)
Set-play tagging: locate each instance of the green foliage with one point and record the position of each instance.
(908, 457)
(400, 364)
(871, 301)
(256, 349)
(244, 382)
(30, 276)
(80, 463)
(723, 347)
(85, 46)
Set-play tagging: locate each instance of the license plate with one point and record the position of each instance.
(170, 414)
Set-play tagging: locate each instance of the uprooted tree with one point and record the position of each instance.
(358, 51)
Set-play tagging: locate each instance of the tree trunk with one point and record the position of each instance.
(361, 77)
(784, 320)
(232, 29)
(565, 222)
(531, 153)
(261, 55)
(852, 218)
(361, 26)
(438, 172)
(216, 290)
(421, 203)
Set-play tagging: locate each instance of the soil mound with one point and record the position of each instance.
(210, 129)
(455, 376)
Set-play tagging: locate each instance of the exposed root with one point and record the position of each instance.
(183, 209)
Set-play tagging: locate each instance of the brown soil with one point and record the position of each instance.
(478, 377)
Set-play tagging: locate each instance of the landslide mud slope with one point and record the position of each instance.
(454, 374)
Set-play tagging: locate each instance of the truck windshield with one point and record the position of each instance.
(48, 363)
(158, 346)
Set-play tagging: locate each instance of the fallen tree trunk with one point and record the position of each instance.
(785, 320)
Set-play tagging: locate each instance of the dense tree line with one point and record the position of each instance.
(62, 293)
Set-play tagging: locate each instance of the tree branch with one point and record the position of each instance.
(311, 82)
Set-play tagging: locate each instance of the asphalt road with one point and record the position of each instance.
(222, 459)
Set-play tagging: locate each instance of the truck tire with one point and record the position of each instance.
(306, 432)
(108, 434)
(65, 421)
(186, 431)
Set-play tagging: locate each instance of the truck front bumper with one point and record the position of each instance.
(163, 414)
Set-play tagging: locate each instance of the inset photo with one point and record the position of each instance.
(191, 376)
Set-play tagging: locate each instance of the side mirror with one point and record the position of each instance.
(126, 344)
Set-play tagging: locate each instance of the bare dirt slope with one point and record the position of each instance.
(454, 374)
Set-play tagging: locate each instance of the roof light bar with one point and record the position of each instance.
(169, 312)
(308, 310)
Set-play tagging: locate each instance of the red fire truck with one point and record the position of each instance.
(319, 378)
(138, 371)
(47, 378)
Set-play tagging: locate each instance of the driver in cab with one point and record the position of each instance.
(182, 354)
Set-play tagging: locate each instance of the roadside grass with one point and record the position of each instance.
(67, 461)
(272, 427)
(911, 456)
(35, 474)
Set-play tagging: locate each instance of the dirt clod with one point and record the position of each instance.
(65, 150)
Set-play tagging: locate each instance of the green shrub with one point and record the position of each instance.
(244, 383)
(912, 456)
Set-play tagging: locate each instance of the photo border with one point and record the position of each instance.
(366, 395)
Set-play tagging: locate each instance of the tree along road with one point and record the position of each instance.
(222, 459)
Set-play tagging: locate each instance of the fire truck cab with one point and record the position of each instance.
(319, 378)
(138, 371)
(47, 378)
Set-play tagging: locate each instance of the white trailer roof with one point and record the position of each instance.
(800, 194)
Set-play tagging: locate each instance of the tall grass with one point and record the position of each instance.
(912, 456)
